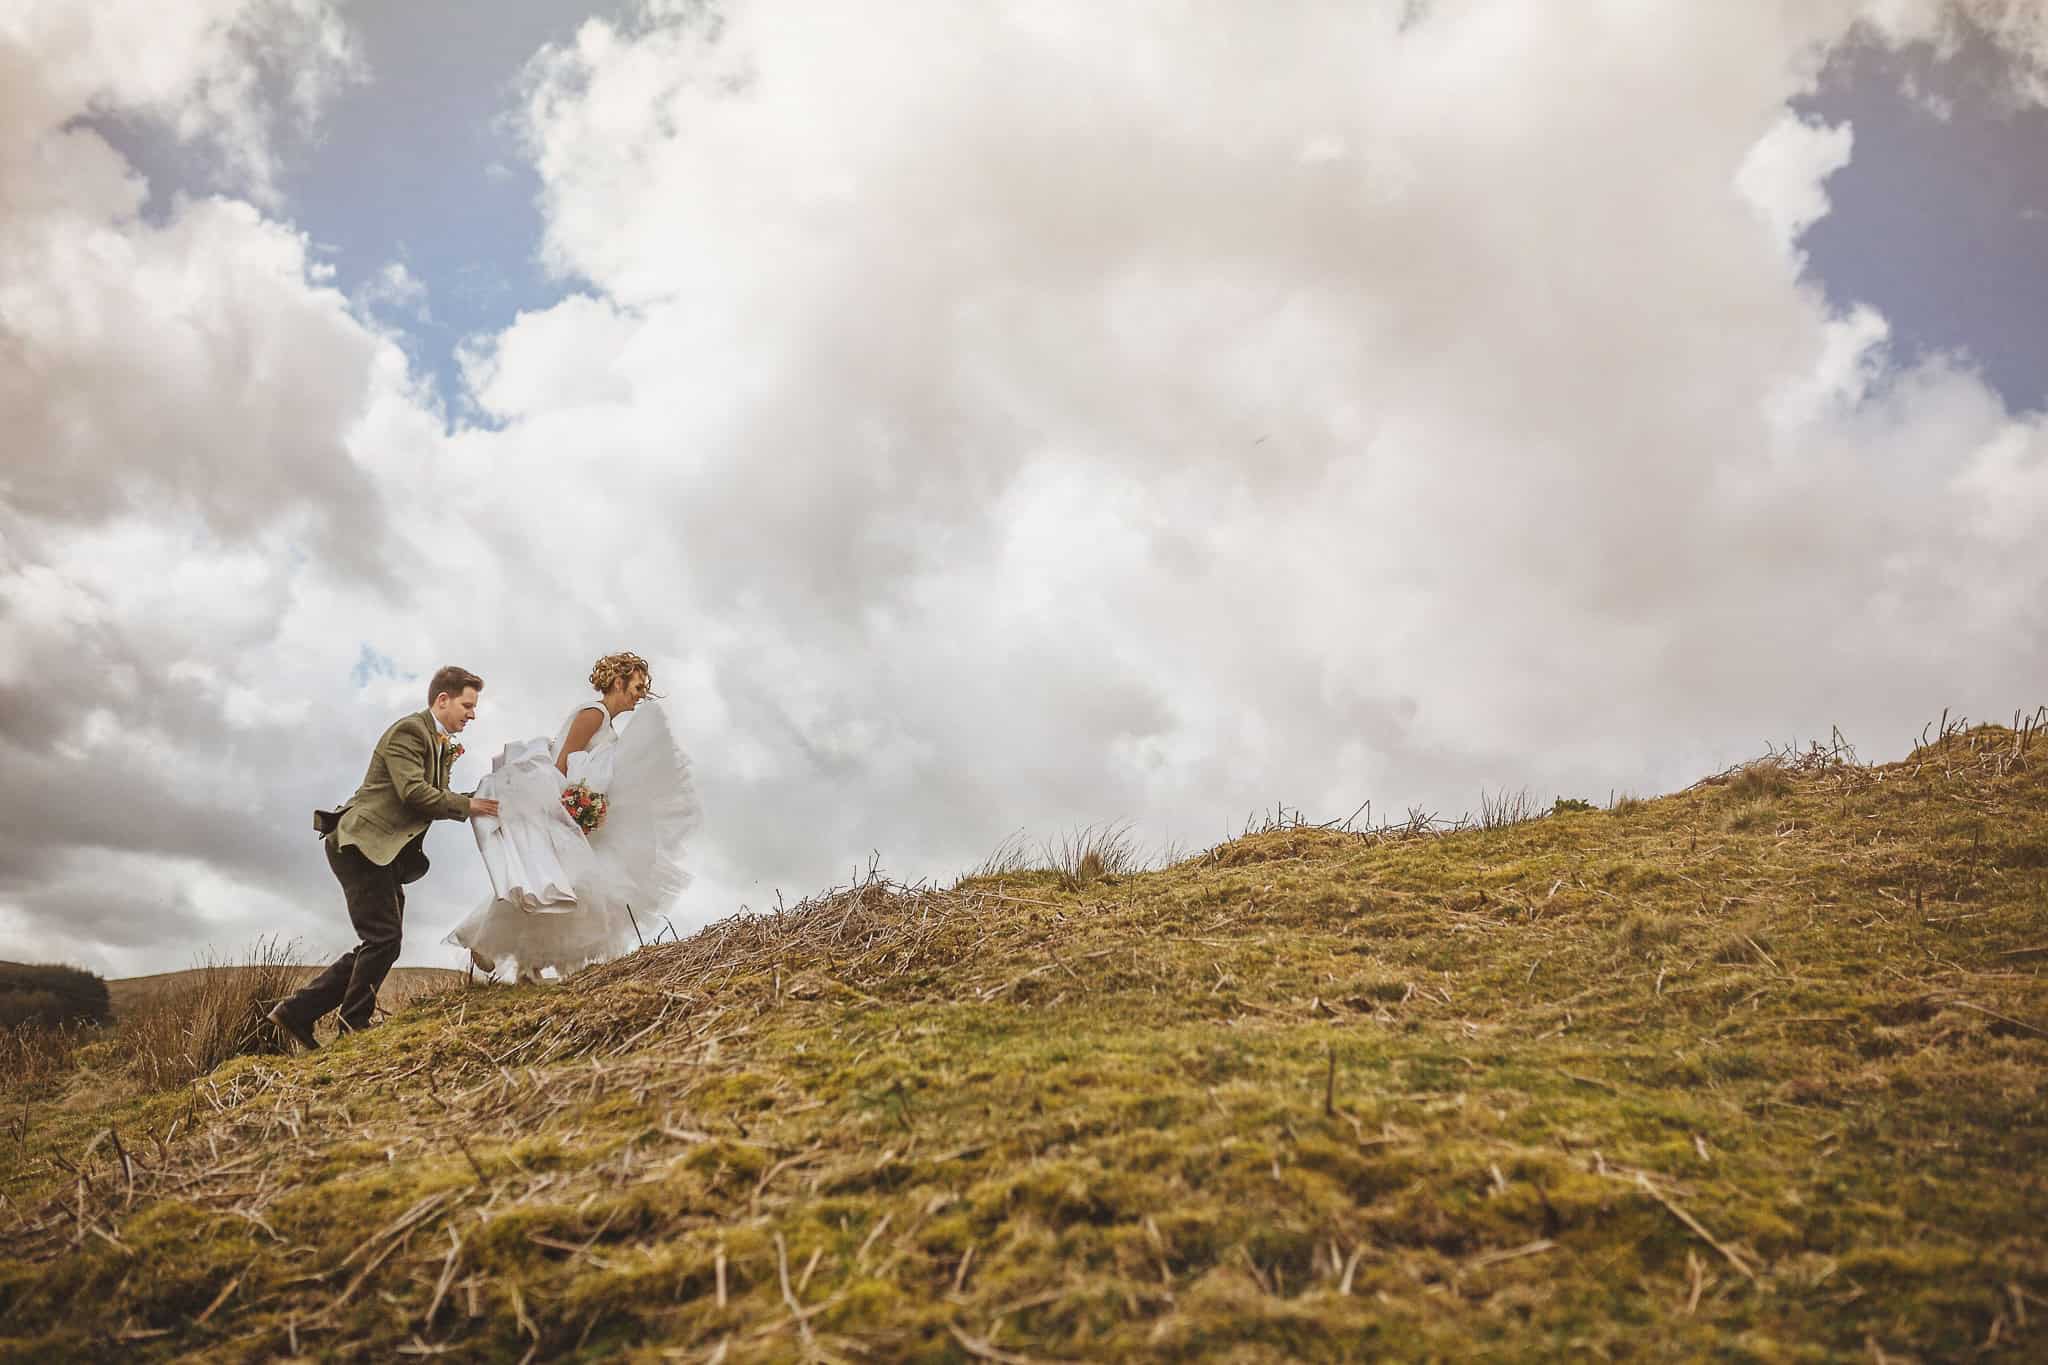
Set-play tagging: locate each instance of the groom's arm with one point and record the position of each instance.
(405, 759)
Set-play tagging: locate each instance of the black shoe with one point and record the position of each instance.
(292, 1028)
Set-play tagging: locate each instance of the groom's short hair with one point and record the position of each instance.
(452, 680)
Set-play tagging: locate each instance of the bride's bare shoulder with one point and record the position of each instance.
(585, 722)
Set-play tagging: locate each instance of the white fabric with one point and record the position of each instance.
(653, 810)
(533, 850)
(561, 900)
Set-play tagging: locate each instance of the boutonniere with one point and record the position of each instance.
(453, 745)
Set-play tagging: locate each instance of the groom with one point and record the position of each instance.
(375, 844)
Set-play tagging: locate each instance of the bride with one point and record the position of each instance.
(561, 897)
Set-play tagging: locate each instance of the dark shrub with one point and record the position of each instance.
(52, 994)
(31, 1007)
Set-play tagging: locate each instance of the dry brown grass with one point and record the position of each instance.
(405, 984)
(1012, 856)
(1092, 854)
(172, 1028)
(1081, 858)
(1762, 781)
(33, 1055)
(1748, 816)
(187, 1028)
(1498, 810)
(177, 1026)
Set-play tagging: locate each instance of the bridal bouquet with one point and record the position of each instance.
(585, 806)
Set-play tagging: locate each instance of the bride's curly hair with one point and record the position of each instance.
(615, 670)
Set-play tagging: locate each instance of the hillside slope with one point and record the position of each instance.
(1754, 1070)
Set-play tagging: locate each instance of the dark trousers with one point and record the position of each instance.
(376, 906)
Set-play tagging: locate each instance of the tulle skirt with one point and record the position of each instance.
(559, 899)
(593, 928)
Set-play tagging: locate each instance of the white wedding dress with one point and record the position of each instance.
(560, 899)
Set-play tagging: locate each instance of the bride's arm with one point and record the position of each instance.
(581, 730)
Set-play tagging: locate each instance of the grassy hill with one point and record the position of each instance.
(1754, 1071)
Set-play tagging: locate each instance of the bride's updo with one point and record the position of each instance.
(616, 670)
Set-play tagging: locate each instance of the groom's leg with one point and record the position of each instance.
(376, 903)
(322, 993)
(325, 991)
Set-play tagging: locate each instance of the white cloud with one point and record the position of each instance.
(2007, 477)
(202, 68)
(395, 289)
(572, 356)
(1081, 447)
(187, 368)
(185, 485)
(2017, 28)
(991, 418)
(1785, 173)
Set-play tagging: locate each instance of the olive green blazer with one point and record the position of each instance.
(404, 791)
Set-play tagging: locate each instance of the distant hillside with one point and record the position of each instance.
(402, 985)
(48, 994)
(1749, 1072)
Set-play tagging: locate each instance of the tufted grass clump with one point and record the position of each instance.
(1747, 817)
(209, 1015)
(34, 1054)
(1763, 781)
(1094, 853)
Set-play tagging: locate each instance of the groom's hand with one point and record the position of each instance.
(483, 805)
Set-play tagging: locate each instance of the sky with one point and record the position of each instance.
(990, 420)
